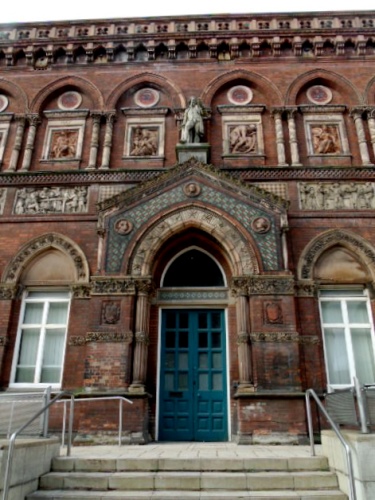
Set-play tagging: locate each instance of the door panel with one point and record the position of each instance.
(193, 395)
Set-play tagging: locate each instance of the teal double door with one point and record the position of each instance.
(193, 377)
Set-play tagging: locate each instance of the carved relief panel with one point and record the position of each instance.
(64, 136)
(144, 137)
(49, 200)
(325, 133)
(336, 196)
(242, 131)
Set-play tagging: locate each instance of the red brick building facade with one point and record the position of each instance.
(211, 274)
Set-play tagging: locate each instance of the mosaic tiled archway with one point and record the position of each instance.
(240, 253)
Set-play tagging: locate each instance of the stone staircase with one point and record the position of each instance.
(210, 478)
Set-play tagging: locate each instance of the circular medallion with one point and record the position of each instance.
(319, 94)
(240, 95)
(69, 100)
(123, 226)
(261, 225)
(192, 190)
(146, 98)
(3, 102)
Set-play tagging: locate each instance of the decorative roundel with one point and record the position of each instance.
(192, 189)
(123, 226)
(261, 225)
(240, 95)
(146, 98)
(69, 100)
(319, 94)
(3, 102)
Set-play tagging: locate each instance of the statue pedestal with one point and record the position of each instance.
(199, 151)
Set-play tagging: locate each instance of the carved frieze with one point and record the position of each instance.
(51, 200)
(262, 285)
(101, 337)
(113, 286)
(336, 195)
(281, 337)
(305, 289)
(81, 291)
(9, 292)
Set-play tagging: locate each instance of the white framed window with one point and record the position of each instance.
(41, 338)
(348, 335)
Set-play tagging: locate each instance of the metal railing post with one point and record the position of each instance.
(311, 392)
(47, 399)
(120, 423)
(70, 427)
(361, 407)
(12, 441)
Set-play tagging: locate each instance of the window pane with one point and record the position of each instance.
(216, 339)
(29, 346)
(217, 382)
(216, 320)
(203, 360)
(331, 312)
(337, 356)
(57, 313)
(202, 320)
(203, 339)
(33, 314)
(363, 355)
(25, 375)
(50, 375)
(217, 360)
(203, 381)
(169, 382)
(170, 339)
(182, 381)
(357, 312)
(184, 320)
(54, 347)
(183, 339)
(183, 361)
(169, 360)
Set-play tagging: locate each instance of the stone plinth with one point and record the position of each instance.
(198, 151)
(363, 457)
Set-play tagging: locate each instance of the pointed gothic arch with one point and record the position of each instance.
(352, 242)
(35, 247)
(239, 249)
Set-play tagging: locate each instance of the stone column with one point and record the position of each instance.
(371, 126)
(110, 118)
(293, 137)
(280, 142)
(94, 145)
(34, 121)
(356, 114)
(127, 307)
(20, 119)
(141, 338)
(243, 337)
(284, 244)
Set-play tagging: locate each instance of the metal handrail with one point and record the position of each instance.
(311, 392)
(13, 437)
(73, 401)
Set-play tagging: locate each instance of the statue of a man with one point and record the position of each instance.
(192, 129)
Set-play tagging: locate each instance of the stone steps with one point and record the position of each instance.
(203, 478)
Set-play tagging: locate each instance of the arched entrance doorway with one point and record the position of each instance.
(193, 382)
